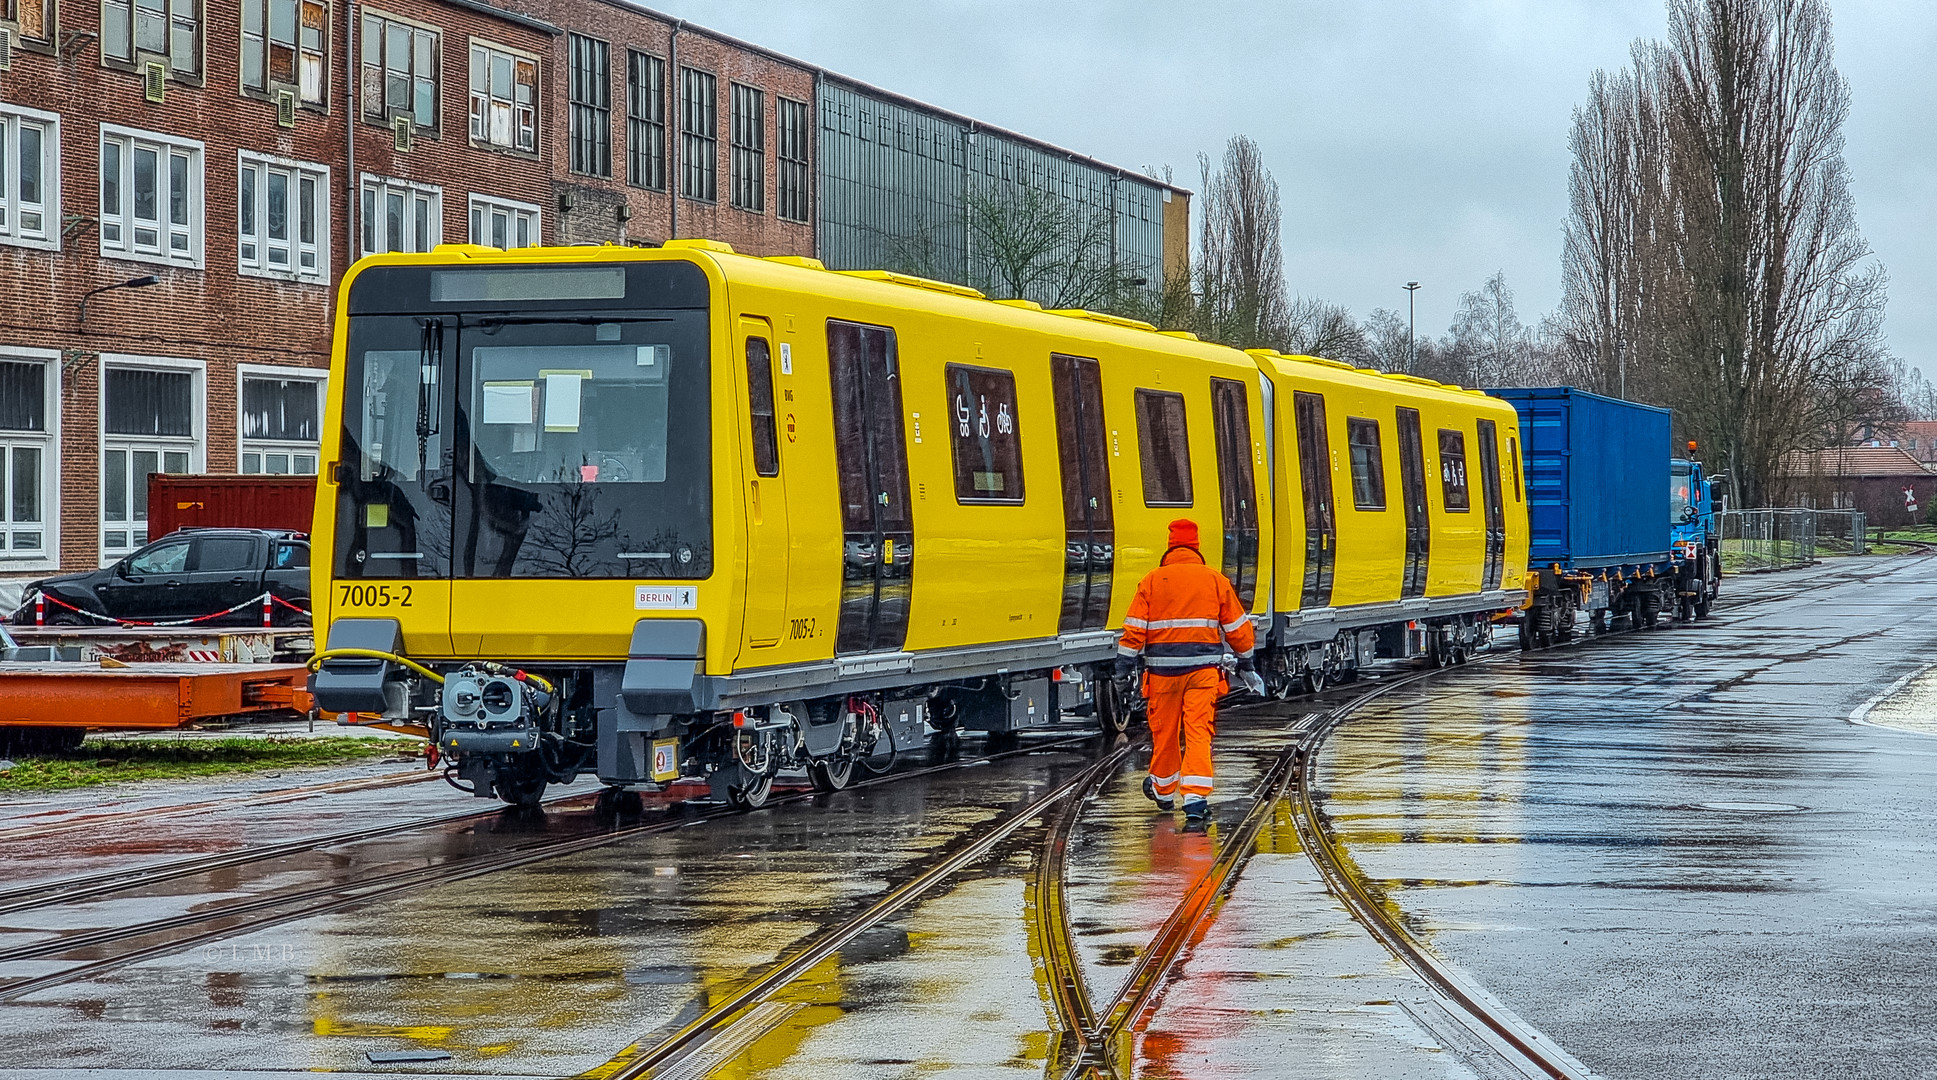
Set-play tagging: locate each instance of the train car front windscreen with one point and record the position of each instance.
(526, 422)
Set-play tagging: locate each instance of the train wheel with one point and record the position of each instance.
(752, 790)
(1109, 710)
(524, 791)
(617, 804)
(1314, 680)
(830, 775)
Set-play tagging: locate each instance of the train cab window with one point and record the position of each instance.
(1513, 451)
(1452, 468)
(988, 443)
(1163, 447)
(1368, 464)
(766, 447)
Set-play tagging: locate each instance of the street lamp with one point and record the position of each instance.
(131, 283)
(1412, 353)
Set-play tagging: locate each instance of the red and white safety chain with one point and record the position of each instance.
(268, 601)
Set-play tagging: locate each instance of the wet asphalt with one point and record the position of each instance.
(1669, 852)
(1673, 852)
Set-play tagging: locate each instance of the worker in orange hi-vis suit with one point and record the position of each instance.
(1183, 616)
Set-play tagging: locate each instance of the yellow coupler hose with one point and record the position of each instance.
(317, 661)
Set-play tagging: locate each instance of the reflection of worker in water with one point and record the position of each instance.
(1183, 616)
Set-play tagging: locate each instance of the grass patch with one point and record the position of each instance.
(100, 761)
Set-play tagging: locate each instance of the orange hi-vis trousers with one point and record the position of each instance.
(1183, 705)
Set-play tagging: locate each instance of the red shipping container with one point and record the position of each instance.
(236, 502)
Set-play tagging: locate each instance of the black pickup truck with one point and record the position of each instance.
(184, 575)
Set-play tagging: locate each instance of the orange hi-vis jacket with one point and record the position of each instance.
(1182, 616)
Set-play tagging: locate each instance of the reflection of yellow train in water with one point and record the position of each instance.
(735, 514)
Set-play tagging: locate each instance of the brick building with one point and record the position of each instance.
(194, 178)
(1891, 488)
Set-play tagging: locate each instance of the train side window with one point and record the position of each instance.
(766, 447)
(1163, 447)
(1452, 468)
(1513, 451)
(988, 442)
(1368, 464)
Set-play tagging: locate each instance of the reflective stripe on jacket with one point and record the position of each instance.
(1182, 616)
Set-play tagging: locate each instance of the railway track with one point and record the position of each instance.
(111, 947)
(266, 798)
(1092, 1042)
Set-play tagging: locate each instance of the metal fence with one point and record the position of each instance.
(1783, 538)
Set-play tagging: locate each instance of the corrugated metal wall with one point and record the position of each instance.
(892, 179)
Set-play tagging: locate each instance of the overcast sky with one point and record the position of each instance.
(1418, 140)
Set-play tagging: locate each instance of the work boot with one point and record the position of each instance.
(1196, 808)
(1164, 802)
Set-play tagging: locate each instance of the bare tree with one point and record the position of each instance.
(1712, 247)
(1317, 327)
(1388, 339)
(1241, 297)
(1030, 243)
(1489, 336)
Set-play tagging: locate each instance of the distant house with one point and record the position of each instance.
(1917, 437)
(1891, 487)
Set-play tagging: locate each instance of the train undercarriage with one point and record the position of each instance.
(503, 731)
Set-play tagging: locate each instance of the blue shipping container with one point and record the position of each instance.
(1597, 477)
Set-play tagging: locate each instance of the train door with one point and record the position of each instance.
(766, 493)
(1231, 424)
(1419, 528)
(1496, 517)
(878, 541)
(1089, 525)
(1315, 479)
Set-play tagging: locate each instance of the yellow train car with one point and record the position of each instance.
(684, 512)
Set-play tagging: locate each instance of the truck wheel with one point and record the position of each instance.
(1526, 633)
(1598, 621)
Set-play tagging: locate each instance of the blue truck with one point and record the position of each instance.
(1697, 544)
(1599, 517)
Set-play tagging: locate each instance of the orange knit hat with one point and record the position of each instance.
(1183, 533)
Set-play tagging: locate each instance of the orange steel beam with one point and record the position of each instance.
(145, 695)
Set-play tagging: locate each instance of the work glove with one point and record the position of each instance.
(1126, 666)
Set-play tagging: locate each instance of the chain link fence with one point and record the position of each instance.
(1783, 538)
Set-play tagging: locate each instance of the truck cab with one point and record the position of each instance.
(1692, 530)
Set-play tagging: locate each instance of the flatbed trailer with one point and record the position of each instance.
(60, 699)
(149, 645)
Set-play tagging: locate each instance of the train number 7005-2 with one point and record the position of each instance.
(374, 596)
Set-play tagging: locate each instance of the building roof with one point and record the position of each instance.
(1855, 461)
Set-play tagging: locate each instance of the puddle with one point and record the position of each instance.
(1751, 807)
(1910, 705)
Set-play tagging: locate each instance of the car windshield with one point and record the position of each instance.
(1678, 496)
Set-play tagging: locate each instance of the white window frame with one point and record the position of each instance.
(420, 200)
(48, 238)
(520, 118)
(247, 446)
(254, 247)
(48, 557)
(516, 212)
(118, 229)
(195, 444)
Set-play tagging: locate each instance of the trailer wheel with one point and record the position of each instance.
(1526, 632)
